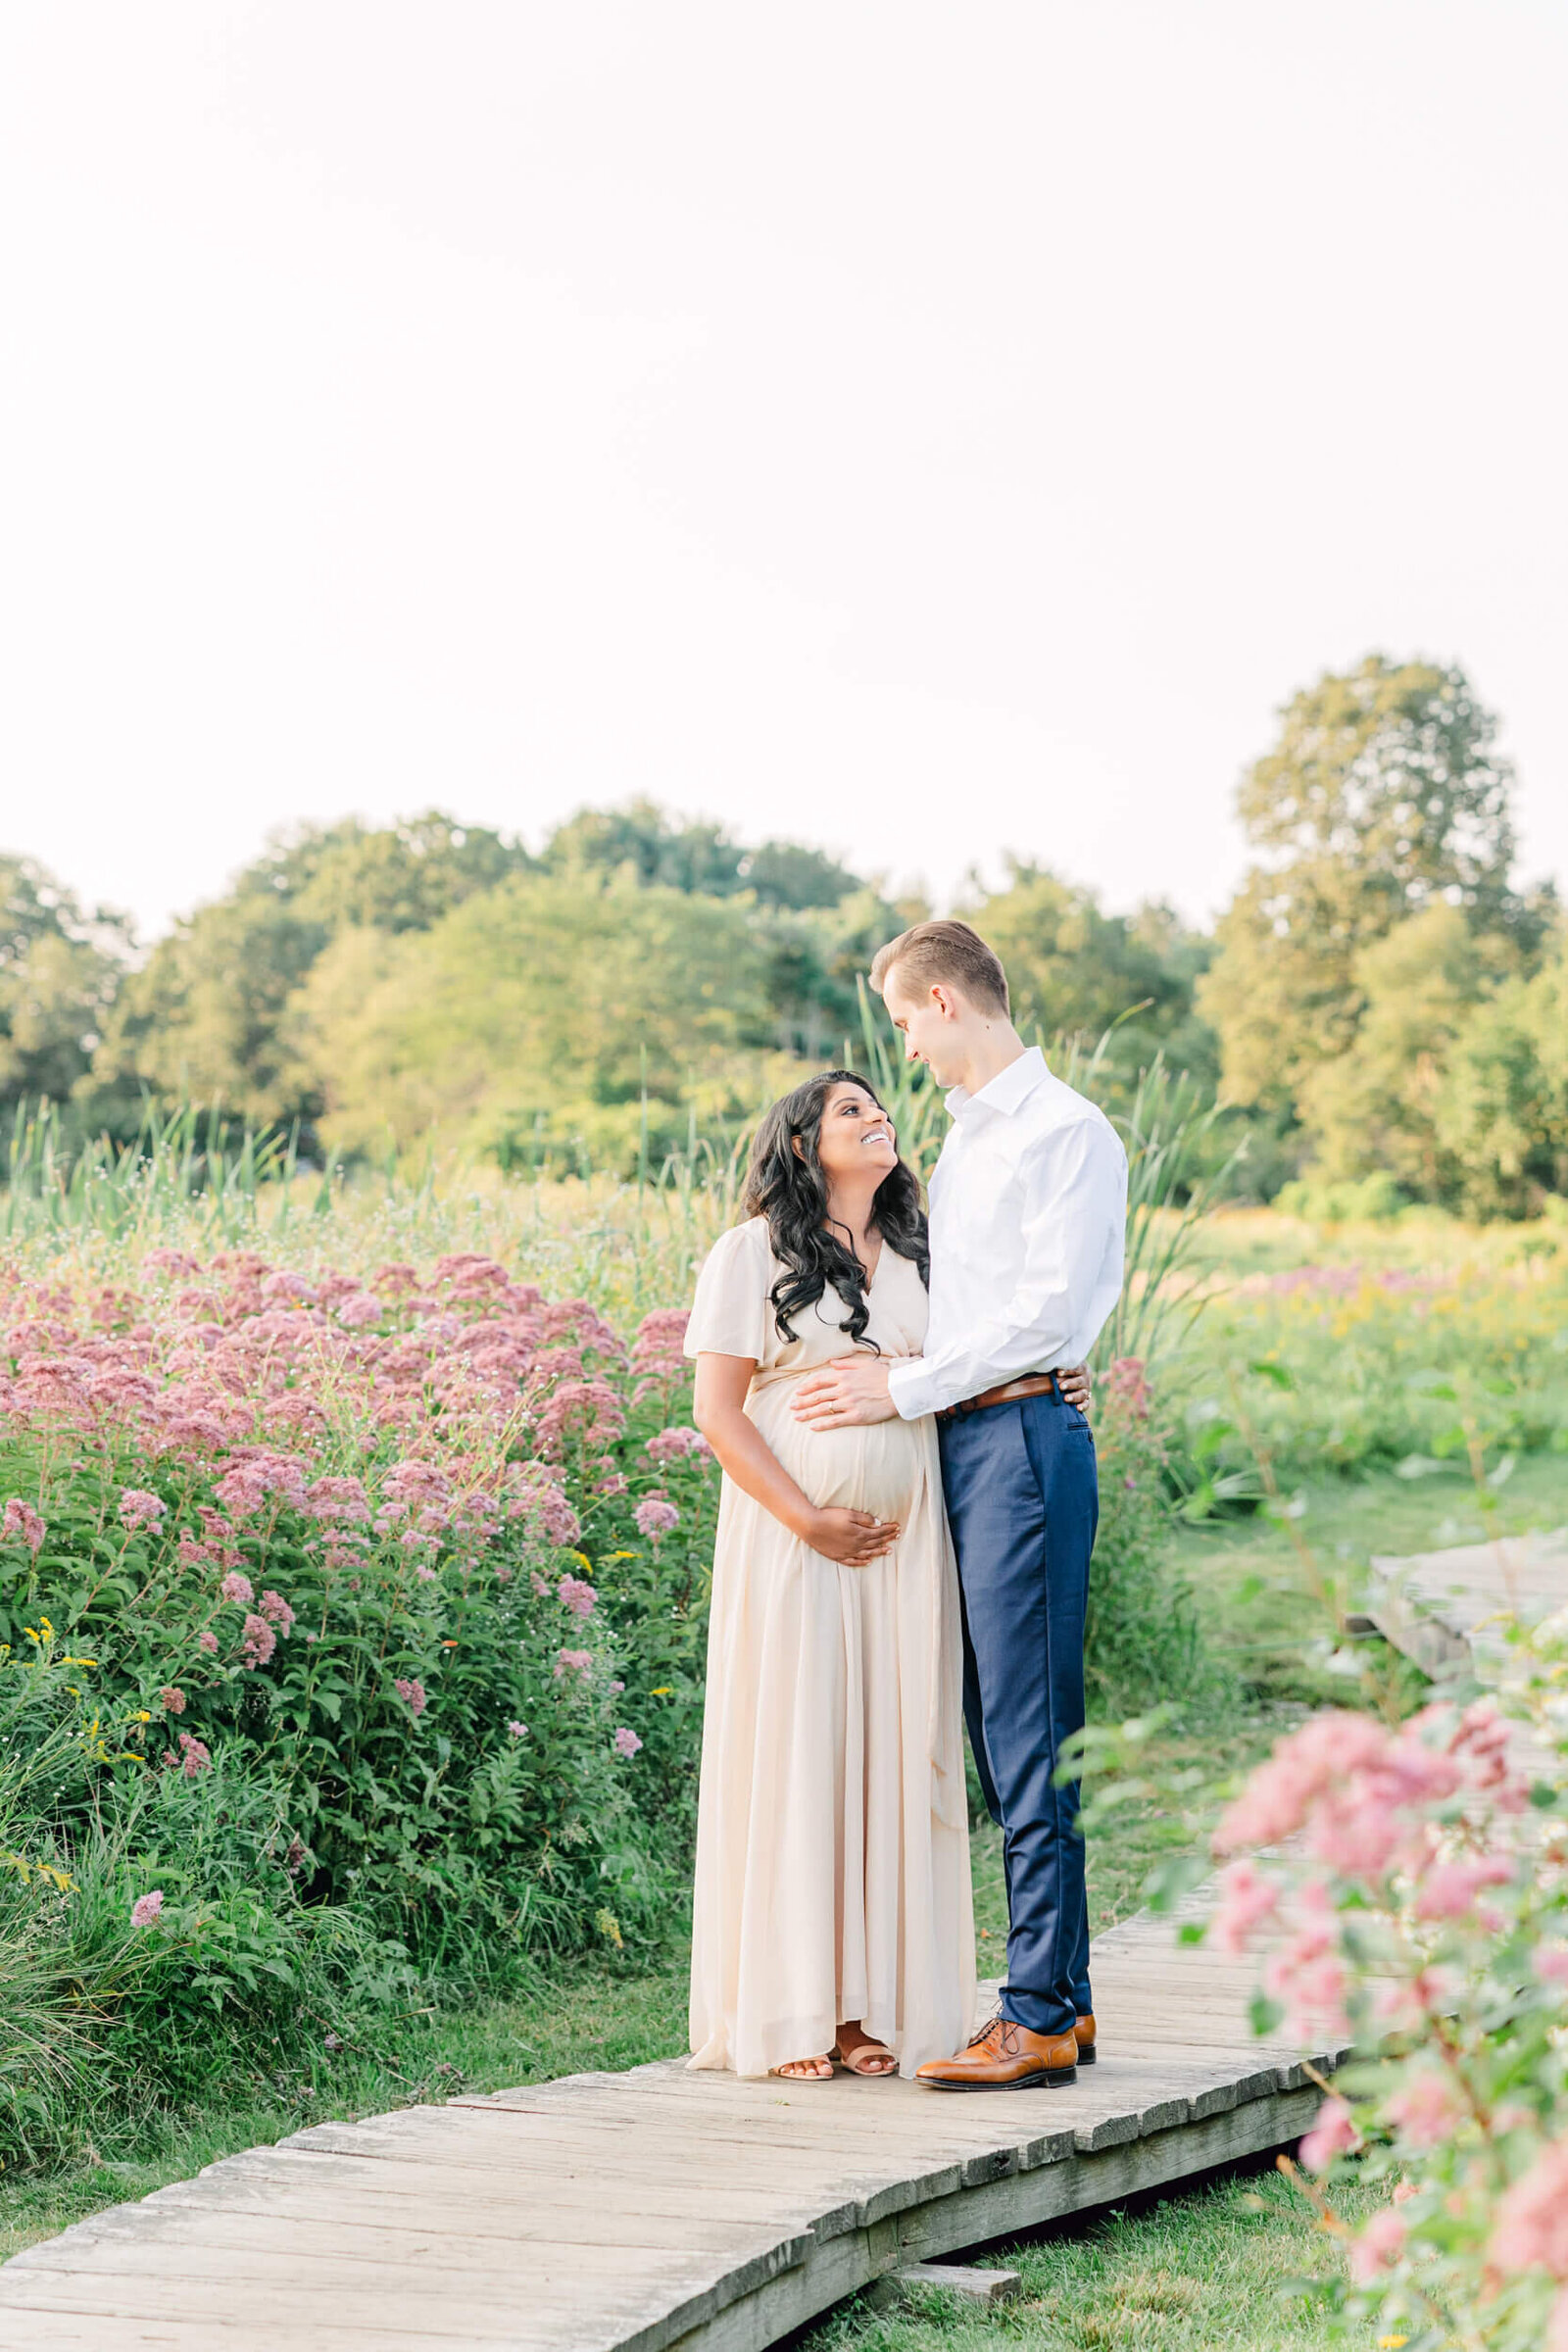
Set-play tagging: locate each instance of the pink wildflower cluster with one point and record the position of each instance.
(411, 1692)
(257, 1644)
(145, 1909)
(625, 1742)
(573, 1661)
(656, 1515)
(657, 1351)
(138, 1508)
(576, 1595)
(194, 1755)
(22, 1525)
(677, 1445)
(1127, 1384)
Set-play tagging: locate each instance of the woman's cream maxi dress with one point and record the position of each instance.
(832, 1837)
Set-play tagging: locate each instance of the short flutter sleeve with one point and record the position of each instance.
(730, 1314)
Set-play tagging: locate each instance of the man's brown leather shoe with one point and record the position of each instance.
(1083, 2032)
(1005, 2056)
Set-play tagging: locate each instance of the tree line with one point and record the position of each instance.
(1379, 1004)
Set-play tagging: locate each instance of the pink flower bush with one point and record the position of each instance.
(338, 1485)
(1411, 1897)
(145, 1909)
(656, 1516)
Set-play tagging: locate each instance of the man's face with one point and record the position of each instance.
(928, 1024)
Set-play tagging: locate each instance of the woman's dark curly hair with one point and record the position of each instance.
(789, 1188)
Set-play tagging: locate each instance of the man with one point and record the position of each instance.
(1028, 1205)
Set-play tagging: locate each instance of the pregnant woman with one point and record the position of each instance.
(832, 1911)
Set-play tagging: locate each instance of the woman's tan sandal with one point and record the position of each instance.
(862, 2050)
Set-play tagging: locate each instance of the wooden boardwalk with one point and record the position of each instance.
(1439, 1606)
(660, 2208)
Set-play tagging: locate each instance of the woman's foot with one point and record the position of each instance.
(805, 2070)
(861, 2054)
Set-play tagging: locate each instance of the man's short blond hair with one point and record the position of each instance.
(947, 954)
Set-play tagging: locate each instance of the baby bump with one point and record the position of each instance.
(876, 1468)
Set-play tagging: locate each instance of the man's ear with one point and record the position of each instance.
(946, 1001)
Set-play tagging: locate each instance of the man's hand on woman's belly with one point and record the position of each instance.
(851, 1390)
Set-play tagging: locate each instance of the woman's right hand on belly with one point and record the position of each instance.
(851, 1537)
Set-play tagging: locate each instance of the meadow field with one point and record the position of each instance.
(351, 1588)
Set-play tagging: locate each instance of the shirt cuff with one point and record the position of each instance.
(912, 1389)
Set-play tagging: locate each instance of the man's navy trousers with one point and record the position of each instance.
(1023, 1500)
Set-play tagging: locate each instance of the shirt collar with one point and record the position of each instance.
(1006, 1092)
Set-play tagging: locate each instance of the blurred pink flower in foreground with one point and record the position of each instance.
(1378, 2248)
(411, 1693)
(626, 1743)
(656, 1515)
(237, 1588)
(1427, 2108)
(174, 1699)
(573, 1661)
(207, 1640)
(145, 1909)
(1531, 2231)
(576, 1595)
(1245, 1899)
(1333, 2135)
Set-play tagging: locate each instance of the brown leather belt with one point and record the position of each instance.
(1034, 1384)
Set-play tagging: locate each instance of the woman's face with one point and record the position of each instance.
(855, 1135)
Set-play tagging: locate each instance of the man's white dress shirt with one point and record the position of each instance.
(1028, 1210)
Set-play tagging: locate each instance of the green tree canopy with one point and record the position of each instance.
(1074, 971)
(536, 1014)
(1384, 795)
(61, 966)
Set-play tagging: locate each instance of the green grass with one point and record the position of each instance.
(1178, 2273)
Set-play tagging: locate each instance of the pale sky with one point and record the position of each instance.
(923, 430)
